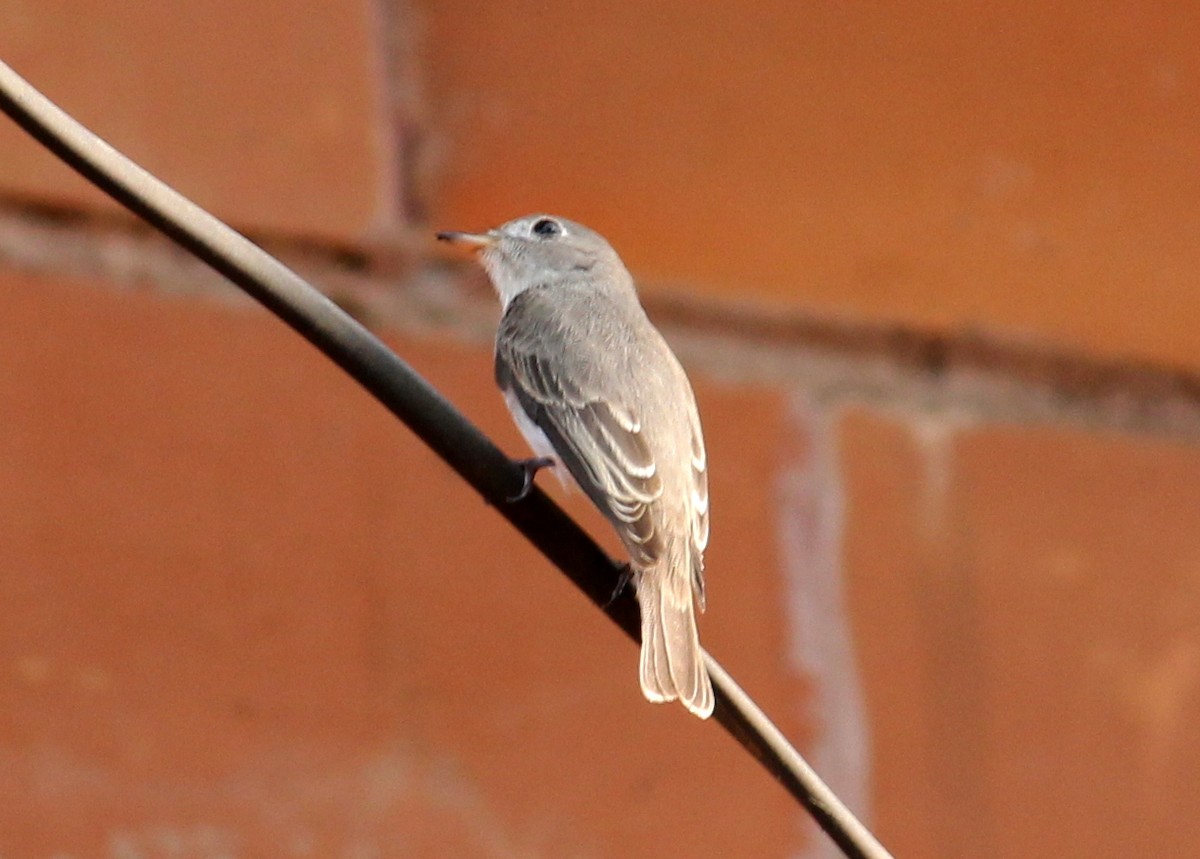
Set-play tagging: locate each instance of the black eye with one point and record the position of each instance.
(546, 228)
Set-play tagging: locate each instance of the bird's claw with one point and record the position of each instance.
(622, 582)
(531, 467)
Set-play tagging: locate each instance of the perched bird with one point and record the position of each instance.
(599, 395)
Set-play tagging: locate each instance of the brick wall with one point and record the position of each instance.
(930, 269)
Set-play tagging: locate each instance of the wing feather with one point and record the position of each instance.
(598, 437)
(589, 418)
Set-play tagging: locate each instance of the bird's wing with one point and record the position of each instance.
(699, 506)
(593, 428)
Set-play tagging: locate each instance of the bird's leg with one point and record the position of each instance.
(531, 467)
(622, 582)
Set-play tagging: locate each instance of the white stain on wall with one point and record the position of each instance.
(810, 512)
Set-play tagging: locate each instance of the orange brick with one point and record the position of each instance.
(948, 167)
(1024, 599)
(271, 114)
(244, 606)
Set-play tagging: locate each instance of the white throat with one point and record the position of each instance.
(506, 284)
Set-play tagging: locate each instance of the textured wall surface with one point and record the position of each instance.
(930, 270)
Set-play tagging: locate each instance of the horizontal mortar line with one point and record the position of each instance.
(966, 376)
(407, 288)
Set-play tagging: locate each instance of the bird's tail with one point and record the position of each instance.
(672, 663)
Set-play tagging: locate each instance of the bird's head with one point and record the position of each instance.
(542, 250)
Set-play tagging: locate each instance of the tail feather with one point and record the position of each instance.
(672, 663)
(654, 668)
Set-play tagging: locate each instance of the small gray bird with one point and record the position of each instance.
(599, 395)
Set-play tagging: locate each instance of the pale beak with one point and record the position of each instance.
(475, 241)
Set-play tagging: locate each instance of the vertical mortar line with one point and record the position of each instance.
(810, 511)
(400, 200)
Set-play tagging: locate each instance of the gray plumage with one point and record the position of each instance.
(594, 386)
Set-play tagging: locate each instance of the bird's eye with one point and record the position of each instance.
(547, 228)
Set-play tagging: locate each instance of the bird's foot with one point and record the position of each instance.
(622, 582)
(531, 467)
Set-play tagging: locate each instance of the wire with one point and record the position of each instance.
(451, 436)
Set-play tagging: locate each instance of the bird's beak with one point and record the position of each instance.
(475, 241)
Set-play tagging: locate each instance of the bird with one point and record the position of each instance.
(603, 401)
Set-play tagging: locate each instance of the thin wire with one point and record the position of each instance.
(459, 443)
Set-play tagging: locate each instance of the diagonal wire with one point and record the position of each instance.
(402, 391)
